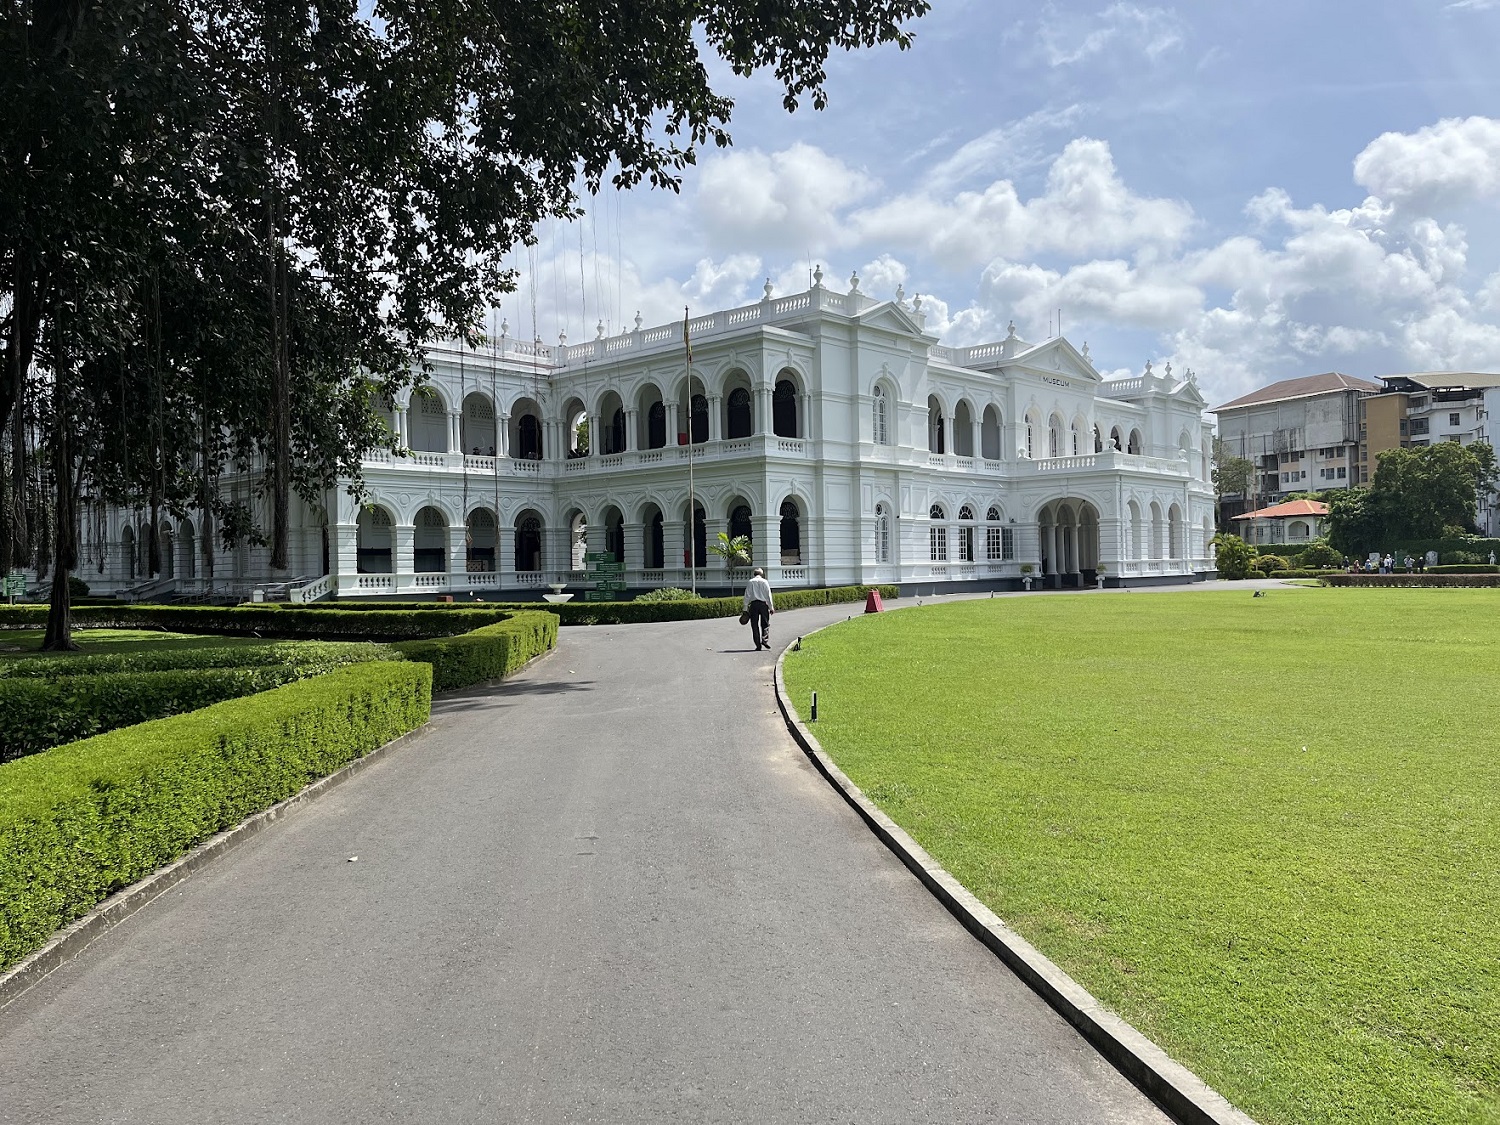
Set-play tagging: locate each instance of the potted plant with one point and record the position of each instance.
(1026, 569)
(1099, 575)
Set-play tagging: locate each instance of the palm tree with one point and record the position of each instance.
(734, 551)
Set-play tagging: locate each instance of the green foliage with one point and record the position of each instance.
(84, 820)
(77, 587)
(734, 551)
(1475, 567)
(1293, 899)
(310, 657)
(1231, 475)
(38, 713)
(665, 594)
(1355, 524)
(1459, 558)
(640, 610)
(1267, 563)
(1234, 558)
(272, 621)
(1319, 555)
(490, 652)
(1463, 577)
(1418, 492)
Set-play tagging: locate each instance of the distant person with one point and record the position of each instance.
(1408, 563)
(759, 607)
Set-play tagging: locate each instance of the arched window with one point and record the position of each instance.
(1098, 441)
(656, 425)
(989, 434)
(1054, 437)
(1135, 442)
(529, 438)
(373, 541)
(791, 534)
(882, 534)
(739, 424)
(656, 544)
(528, 543)
(739, 522)
(1030, 438)
(936, 427)
(998, 540)
(479, 541)
(937, 534)
(430, 542)
(1115, 442)
(966, 534)
(699, 534)
(784, 409)
(1074, 436)
(878, 417)
(700, 419)
(617, 431)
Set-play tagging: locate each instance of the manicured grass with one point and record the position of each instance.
(25, 642)
(1264, 830)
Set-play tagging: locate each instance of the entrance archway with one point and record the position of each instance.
(1068, 531)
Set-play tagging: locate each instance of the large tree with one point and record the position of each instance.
(1420, 493)
(229, 224)
(1232, 477)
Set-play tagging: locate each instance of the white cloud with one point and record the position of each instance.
(1066, 38)
(1456, 160)
(1084, 209)
(789, 200)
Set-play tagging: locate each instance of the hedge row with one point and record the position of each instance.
(36, 714)
(1428, 579)
(490, 652)
(267, 621)
(1465, 568)
(81, 821)
(636, 613)
(310, 656)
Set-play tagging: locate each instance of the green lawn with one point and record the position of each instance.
(1264, 830)
(28, 642)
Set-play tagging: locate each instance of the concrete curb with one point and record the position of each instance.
(1171, 1085)
(73, 939)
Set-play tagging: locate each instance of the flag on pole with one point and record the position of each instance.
(687, 344)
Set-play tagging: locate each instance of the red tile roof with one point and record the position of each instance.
(1304, 387)
(1290, 508)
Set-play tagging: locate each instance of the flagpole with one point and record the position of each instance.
(692, 536)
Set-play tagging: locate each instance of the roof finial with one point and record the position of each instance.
(600, 336)
(1148, 369)
(767, 289)
(818, 277)
(1086, 349)
(854, 282)
(1010, 331)
(562, 338)
(637, 320)
(900, 294)
(504, 328)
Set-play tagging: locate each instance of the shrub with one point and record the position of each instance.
(79, 822)
(667, 594)
(1461, 558)
(270, 621)
(488, 653)
(77, 587)
(640, 611)
(1268, 563)
(1234, 556)
(309, 657)
(1319, 555)
(37, 713)
(1465, 568)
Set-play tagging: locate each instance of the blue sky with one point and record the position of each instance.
(1253, 191)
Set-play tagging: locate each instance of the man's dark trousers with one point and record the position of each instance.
(760, 624)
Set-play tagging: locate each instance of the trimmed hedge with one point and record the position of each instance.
(36, 714)
(490, 652)
(309, 656)
(79, 822)
(701, 609)
(267, 621)
(1294, 572)
(1428, 579)
(1465, 568)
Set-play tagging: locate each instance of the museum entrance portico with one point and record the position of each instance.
(1068, 532)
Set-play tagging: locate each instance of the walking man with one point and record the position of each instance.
(759, 606)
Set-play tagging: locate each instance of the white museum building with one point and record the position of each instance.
(831, 428)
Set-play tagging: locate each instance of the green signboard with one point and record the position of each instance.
(14, 585)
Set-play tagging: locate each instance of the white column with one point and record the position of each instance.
(715, 422)
(672, 427)
(502, 436)
(455, 432)
(403, 554)
(632, 438)
(762, 410)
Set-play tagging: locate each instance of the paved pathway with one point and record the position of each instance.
(611, 890)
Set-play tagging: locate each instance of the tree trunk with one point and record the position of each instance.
(59, 636)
